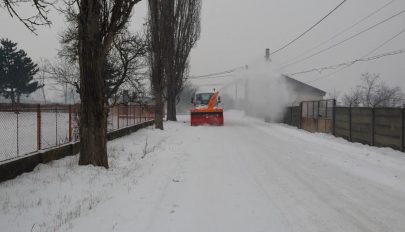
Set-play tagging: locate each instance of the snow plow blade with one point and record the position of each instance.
(215, 118)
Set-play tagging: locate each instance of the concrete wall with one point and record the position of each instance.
(13, 168)
(342, 122)
(382, 127)
(301, 96)
(362, 125)
(388, 128)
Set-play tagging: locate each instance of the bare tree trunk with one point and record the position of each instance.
(159, 111)
(171, 102)
(156, 61)
(93, 110)
(169, 57)
(182, 30)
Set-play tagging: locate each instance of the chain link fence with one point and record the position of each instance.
(28, 128)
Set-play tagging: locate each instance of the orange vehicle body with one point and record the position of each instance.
(209, 114)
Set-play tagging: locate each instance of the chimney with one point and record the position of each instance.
(267, 54)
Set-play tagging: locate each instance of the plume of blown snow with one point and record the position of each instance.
(262, 92)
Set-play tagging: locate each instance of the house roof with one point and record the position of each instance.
(302, 86)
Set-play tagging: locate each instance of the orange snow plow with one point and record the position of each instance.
(206, 110)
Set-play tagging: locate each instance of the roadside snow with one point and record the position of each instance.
(244, 176)
(54, 194)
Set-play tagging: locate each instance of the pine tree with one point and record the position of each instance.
(16, 72)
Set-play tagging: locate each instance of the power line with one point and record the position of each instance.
(308, 30)
(369, 53)
(386, 42)
(218, 73)
(345, 40)
(341, 32)
(212, 77)
(392, 53)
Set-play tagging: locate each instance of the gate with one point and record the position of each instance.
(317, 116)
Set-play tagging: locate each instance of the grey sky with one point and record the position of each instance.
(236, 32)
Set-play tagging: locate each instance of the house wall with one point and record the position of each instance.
(306, 96)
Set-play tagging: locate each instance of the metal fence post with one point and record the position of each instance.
(333, 117)
(127, 114)
(38, 127)
(146, 113)
(300, 119)
(316, 119)
(118, 116)
(313, 109)
(56, 128)
(372, 126)
(141, 114)
(135, 109)
(403, 129)
(18, 148)
(70, 123)
(133, 114)
(350, 123)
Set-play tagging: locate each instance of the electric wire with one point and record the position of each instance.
(218, 73)
(369, 53)
(340, 33)
(345, 40)
(212, 77)
(308, 30)
(320, 70)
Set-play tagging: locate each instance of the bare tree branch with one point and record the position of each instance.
(40, 18)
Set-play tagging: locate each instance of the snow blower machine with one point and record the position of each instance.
(206, 110)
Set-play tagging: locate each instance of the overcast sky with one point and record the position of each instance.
(236, 32)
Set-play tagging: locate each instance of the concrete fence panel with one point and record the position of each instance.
(342, 122)
(382, 127)
(362, 125)
(388, 128)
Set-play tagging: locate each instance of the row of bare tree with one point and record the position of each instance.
(98, 46)
(174, 28)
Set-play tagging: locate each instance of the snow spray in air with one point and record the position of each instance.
(262, 92)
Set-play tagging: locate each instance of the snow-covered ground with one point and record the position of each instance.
(244, 176)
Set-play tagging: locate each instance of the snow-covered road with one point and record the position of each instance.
(245, 176)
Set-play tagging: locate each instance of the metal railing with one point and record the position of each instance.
(28, 128)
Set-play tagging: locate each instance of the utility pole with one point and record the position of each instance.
(246, 103)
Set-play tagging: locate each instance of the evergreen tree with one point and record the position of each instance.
(16, 72)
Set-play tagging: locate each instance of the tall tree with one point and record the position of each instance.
(174, 28)
(183, 29)
(99, 23)
(16, 72)
(156, 38)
